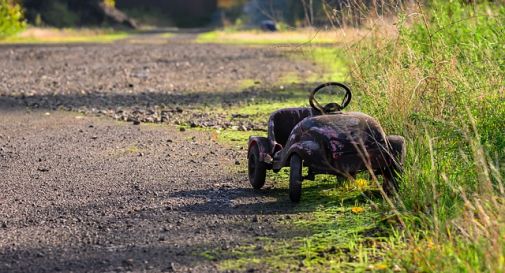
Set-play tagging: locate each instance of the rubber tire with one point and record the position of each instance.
(295, 178)
(391, 181)
(257, 170)
(391, 174)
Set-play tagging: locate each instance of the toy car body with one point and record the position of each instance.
(327, 141)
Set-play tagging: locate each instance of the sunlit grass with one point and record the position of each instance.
(331, 60)
(52, 35)
(255, 37)
(337, 228)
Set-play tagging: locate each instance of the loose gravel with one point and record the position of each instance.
(82, 193)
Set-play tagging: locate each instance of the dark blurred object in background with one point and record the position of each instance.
(268, 25)
(182, 13)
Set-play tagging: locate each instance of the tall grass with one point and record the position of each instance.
(441, 84)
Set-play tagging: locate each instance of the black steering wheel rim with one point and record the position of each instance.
(315, 104)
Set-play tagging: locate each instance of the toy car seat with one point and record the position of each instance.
(282, 122)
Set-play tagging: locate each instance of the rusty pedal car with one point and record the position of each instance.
(327, 141)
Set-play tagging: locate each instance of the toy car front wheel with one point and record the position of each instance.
(295, 178)
(257, 169)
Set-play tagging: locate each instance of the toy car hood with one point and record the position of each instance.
(342, 142)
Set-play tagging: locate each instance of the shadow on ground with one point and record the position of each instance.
(112, 100)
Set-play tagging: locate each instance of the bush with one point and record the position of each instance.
(11, 18)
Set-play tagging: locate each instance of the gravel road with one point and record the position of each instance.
(167, 83)
(87, 193)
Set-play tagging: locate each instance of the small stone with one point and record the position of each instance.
(255, 219)
(128, 262)
(42, 169)
(94, 137)
(136, 122)
(171, 267)
(182, 129)
(237, 162)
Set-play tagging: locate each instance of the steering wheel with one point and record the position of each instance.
(332, 107)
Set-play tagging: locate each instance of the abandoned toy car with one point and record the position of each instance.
(327, 141)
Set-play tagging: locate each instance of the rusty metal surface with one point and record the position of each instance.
(342, 143)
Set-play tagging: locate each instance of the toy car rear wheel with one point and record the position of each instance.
(257, 169)
(392, 174)
(391, 181)
(295, 178)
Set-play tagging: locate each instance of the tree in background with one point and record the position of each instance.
(11, 18)
(75, 13)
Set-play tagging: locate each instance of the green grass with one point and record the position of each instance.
(167, 35)
(440, 84)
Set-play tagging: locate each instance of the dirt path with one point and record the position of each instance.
(89, 194)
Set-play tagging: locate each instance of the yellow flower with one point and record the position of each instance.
(430, 244)
(361, 183)
(377, 267)
(357, 210)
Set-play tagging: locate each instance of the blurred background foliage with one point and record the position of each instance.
(187, 13)
(11, 18)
